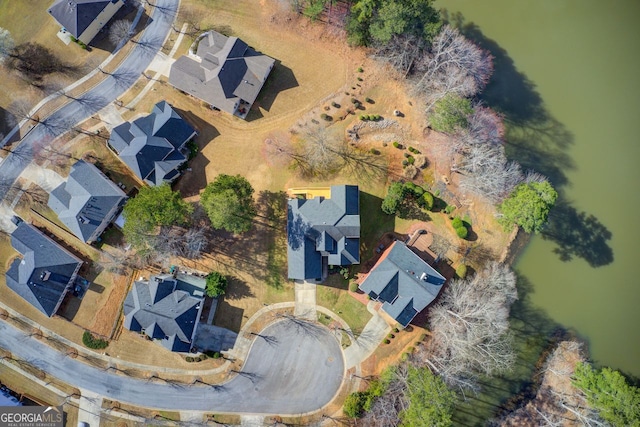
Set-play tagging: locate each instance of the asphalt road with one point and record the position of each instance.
(293, 367)
(162, 15)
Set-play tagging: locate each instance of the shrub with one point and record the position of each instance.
(387, 341)
(374, 151)
(384, 144)
(410, 172)
(216, 355)
(359, 79)
(189, 359)
(411, 160)
(462, 232)
(354, 101)
(363, 117)
(92, 342)
(407, 155)
(409, 187)
(347, 93)
(360, 70)
(418, 191)
(461, 271)
(457, 222)
(449, 209)
(421, 161)
(202, 357)
(426, 201)
(396, 144)
(369, 100)
(326, 117)
(335, 104)
(216, 284)
(396, 330)
(405, 357)
(327, 108)
(354, 404)
(405, 163)
(391, 336)
(353, 287)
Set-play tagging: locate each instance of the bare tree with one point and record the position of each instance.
(322, 149)
(402, 52)
(279, 151)
(120, 31)
(470, 327)
(454, 65)
(386, 409)
(488, 173)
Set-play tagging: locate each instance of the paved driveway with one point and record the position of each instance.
(293, 367)
(163, 14)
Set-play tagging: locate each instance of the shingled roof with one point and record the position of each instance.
(404, 282)
(165, 310)
(87, 201)
(151, 145)
(44, 273)
(76, 16)
(323, 231)
(224, 71)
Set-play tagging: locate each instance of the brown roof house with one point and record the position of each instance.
(83, 19)
(403, 282)
(224, 72)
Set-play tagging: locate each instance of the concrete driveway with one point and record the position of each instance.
(293, 367)
(215, 338)
(118, 82)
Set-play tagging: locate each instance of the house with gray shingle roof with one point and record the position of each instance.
(83, 19)
(403, 282)
(323, 231)
(44, 272)
(87, 201)
(167, 309)
(224, 72)
(153, 146)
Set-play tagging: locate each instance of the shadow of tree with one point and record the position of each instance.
(540, 142)
(237, 289)
(578, 234)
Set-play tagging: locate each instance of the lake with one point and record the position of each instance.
(567, 82)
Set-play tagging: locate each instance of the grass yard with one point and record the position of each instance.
(335, 296)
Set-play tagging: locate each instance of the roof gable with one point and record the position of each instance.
(320, 227)
(224, 71)
(404, 282)
(44, 272)
(163, 311)
(144, 144)
(77, 15)
(86, 201)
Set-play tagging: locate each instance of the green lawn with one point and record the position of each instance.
(334, 296)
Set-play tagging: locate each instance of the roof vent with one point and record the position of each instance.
(44, 276)
(83, 219)
(424, 277)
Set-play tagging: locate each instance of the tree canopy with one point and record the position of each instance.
(528, 206)
(451, 113)
(430, 400)
(216, 284)
(607, 391)
(228, 201)
(153, 207)
(378, 21)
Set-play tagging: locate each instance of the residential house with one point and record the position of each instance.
(166, 309)
(83, 19)
(403, 282)
(87, 201)
(44, 272)
(153, 146)
(323, 231)
(224, 72)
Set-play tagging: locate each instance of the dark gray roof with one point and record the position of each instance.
(320, 227)
(45, 271)
(404, 282)
(150, 145)
(86, 201)
(225, 71)
(77, 15)
(164, 310)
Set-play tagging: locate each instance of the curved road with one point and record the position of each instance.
(293, 367)
(95, 99)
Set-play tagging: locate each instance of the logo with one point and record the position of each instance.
(31, 416)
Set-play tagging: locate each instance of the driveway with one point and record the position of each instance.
(94, 100)
(293, 367)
